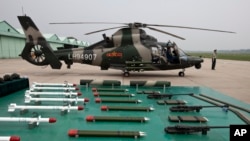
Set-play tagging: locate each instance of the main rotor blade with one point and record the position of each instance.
(105, 30)
(186, 27)
(166, 33)
(87, 23)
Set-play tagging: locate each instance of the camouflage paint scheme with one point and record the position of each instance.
(129, 49)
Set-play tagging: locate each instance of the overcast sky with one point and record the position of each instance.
(229, 15)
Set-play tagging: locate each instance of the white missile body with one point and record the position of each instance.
(54, 88)
(66, 84)
(28, 99)
(12, 107)
(28, 93)
(36, 120)
(9, 138)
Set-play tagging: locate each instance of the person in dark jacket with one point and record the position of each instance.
(214, 59)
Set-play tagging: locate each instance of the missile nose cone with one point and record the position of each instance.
(94, 89)
(90, 118)
(80, 108)
(79, 93)
(86, 100)
(104, 108)
(98, 100)
(52, 120)
(96, 94)
(76, 88)
(14, 138)
(74, 85)
(72, 132)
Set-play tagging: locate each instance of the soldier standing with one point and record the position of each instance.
(214, 59)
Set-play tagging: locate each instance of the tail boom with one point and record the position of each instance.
(37, 50)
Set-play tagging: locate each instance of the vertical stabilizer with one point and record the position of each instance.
(37, 50)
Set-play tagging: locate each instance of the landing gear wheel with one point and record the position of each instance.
(126, 74)
(181, 74)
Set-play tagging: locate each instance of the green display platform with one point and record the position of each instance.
(154, 128)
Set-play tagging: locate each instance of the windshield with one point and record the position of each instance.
(181, 52)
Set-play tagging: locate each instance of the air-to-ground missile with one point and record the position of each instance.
(126, 108)
(109, 100)
(91, 118)
(109, 90)
(65, 84)
(68, 94)
(12, 107)
(35, 120)
(54, 88)
(28, 99)
(100, 133)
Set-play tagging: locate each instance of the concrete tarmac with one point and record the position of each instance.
(230, 77)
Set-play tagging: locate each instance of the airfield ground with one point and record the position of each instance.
(230, 77)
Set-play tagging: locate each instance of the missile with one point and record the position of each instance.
(97, 94)
(12, 107)
(54, 88)
(28, 99)
(103, 100)
(36, 120)
(101, 133)
(126, 108)
(9, 138)
(29, 92)
(91, 118)
(109, 90)
(65, 84)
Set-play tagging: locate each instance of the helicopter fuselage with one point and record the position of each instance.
(129, 49)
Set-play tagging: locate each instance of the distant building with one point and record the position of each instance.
(12, 41)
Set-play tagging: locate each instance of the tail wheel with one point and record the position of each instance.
(36, 55)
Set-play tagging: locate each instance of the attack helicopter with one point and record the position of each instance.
(130, 48)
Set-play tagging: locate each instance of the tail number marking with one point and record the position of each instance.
(82, 56)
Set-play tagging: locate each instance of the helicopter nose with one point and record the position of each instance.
(197, 63)
(192, 61)
(201, 60)
(196, 59)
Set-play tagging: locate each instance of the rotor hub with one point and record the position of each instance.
(38, 52)
(137, 25)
